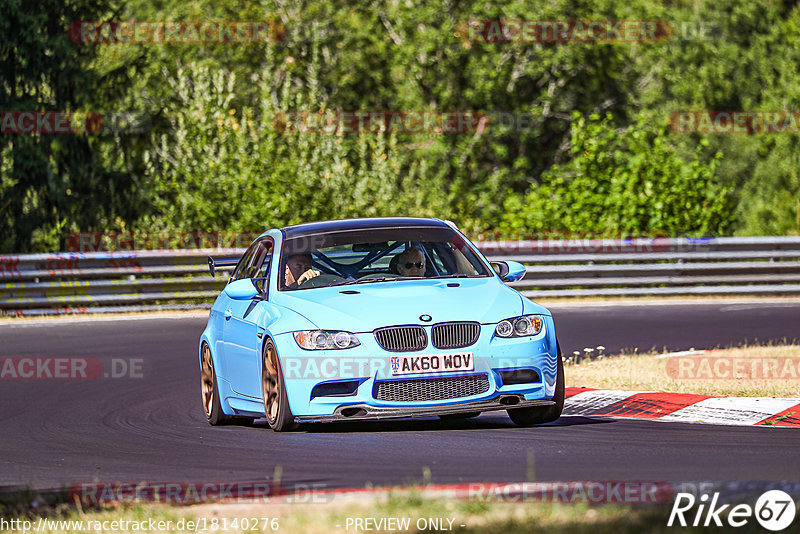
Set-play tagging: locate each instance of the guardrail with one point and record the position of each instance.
(659, 267)
(95, 282)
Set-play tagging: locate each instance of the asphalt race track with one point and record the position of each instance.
(677, 326)
(56, 433)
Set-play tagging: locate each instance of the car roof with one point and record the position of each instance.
(307, 229)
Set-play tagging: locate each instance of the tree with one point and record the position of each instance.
(52, 183)
(628, 181)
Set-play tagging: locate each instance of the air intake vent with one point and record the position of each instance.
(455, 335)
(430, 389)
(401, 338)
(519, 376)
(335, 389)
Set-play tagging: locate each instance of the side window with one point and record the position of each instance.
(434, 255)
(463, 264)
(263, 271)
(241, 267)
(259, 263)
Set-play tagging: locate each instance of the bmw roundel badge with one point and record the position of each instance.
(425, 317)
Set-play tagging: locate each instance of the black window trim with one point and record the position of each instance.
(240, 264)
(251, 251)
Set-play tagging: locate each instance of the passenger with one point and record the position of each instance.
(411, 262)
(298, 269)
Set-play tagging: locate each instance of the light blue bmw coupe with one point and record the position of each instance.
(369, 319)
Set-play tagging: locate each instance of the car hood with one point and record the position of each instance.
(378, 304)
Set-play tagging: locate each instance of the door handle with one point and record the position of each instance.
(228, 314)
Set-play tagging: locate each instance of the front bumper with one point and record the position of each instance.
(369, 365)
(366, 412)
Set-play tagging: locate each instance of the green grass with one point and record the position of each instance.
(648, 373)
(476, 517)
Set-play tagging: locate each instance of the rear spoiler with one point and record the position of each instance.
(213, 263)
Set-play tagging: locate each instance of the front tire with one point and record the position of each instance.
(539, 415)
(273, 391)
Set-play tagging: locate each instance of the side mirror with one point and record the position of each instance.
(243, 289)
(509, 271)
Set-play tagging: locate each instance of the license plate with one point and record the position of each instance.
(432, 363)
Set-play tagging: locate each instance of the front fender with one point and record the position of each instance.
(277, 320)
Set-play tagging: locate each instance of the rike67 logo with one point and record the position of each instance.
(774, 510)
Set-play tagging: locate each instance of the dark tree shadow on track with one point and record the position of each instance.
(580, 420)
(432, 424)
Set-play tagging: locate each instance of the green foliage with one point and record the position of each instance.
(52, 184)
(215, 160)
(624, 182)
(770, 200)
(240, 167)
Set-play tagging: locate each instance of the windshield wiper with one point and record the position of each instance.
(381, 279)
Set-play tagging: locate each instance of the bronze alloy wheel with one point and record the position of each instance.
(273, 391)
(270, 384)
(207, 381)
(211, 401)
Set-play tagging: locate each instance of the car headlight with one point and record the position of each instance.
(526, 325)
(325, 339)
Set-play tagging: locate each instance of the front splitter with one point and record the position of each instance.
(365, 412)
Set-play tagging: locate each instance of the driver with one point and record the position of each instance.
(411, 262)
(298, 269)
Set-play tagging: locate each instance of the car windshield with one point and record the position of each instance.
(377, 255)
